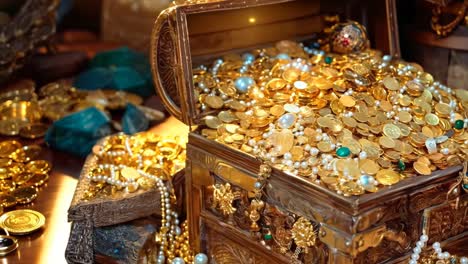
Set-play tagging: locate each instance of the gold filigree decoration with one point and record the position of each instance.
(303, 233)
(223, 197)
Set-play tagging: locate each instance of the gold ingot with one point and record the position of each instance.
(387, 177)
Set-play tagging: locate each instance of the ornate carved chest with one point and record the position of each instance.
(296, 220)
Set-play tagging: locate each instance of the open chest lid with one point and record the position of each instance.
(199, 31)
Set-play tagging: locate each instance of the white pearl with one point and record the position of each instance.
(363, 155)
(424, 238)
(415, 256)
(314, 151)
(438, 250)
(446, 255)
(287, 156)
(463, 260)
(417, 250)
(178, 261)
(420, 244)
(440, 255)
(200, 258)
(413, 262)
(445, 151)
(436, 245)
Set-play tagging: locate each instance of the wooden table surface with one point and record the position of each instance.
(48, 245)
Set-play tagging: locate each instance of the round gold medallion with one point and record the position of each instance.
(38, 166)
(7, 200)
(22, 222)
(387, 177)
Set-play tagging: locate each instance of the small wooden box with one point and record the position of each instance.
(373, 228)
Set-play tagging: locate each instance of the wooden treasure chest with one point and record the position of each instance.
(342, 185)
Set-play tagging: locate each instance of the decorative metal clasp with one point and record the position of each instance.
(223, 197)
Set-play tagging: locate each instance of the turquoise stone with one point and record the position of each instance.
(134, 120)
(283, 56)
(465, 186)
(119, 69)
(243, 84)
(459, 124)
(78, 132)
(287, 120)
(401, 165)
(328, 60)
(343, 152)
(267, 237)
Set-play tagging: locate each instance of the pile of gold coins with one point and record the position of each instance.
(28, 114)
(21, 173)
(353, 122)
(144, 161)
(123, 161)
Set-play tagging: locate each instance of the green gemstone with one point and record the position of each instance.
(401, 165)
(328, 60)
(465, 186)
(343, 152)
(459, 124)
(267, 236)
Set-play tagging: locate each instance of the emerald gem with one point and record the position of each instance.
(459, 124)
(328, 60)
(465, 186)
(343, 152)
(401, 165)
(267, 236)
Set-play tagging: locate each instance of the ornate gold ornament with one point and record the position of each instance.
(303, 233)
(223, 197)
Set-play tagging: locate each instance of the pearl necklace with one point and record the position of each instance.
(438, 254)
(170, 232)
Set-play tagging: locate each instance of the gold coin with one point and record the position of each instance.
(391, 83)
(369, 166)
(212, 122)
(7, 186)
(21, 178)
(37, 180)
(5, 162)
(38, 166)
(432, 119)
(146, 183)
(7, 200)
(19, 155)
(291, 75)
(347, 101)
(227, 116)
(25, 195)
(422, 168)
(130, 173)
(7, 147)
(392, 131)
(22, 222)
(33, 131)
(11, 127)
(404, 117)
(5, 173)
(443, 109)
(387, 177)
(276, 84)
(214, 101)
(386, 142)
(32, 152)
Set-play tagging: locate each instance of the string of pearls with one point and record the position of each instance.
(421, 244)
(170, 229)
